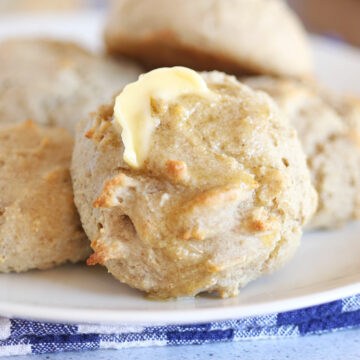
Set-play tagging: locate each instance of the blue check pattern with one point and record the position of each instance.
(20, 337)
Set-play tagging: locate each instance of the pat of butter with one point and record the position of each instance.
(132, 111)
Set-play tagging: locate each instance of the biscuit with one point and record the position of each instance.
(55, 83)
(39, 225)
(219, 201)
(328, 128)
(236, 36)
(347, 107)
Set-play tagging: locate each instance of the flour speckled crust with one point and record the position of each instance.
(329, 129)
(39, 225)
(234, 36)
(55, 83)
(219, 201)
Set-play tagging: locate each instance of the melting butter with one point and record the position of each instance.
(132, 111)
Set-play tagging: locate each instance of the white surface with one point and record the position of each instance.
(326, 267)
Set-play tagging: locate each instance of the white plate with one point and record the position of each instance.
(326, 267)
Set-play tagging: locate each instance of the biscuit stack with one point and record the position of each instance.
(200, 189)
(45, 88)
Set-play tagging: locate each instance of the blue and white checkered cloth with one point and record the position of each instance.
(20, 337)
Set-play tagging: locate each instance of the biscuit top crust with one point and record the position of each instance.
(155, 90)
(208, 166)
(32, 156)
(235, 36)
(56, 83)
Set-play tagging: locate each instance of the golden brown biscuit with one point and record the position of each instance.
(219, 200)
(56, 83)
(328, 128)
(39, 225)
(234, 36)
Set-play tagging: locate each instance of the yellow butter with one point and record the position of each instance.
(132, 111)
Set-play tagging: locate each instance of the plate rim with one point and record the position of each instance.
(178, 316)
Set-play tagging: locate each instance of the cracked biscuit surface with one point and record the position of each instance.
(234, 36)
(39, 225)
(56, 83)
(219, 201)
(329, 129)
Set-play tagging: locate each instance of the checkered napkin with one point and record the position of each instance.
(20, 337)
